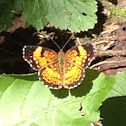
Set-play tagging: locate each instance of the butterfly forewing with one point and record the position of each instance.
(28, 55)
(38, 57)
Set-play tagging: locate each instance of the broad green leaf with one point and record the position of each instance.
(75, 15)
(114, 109)
(119, 88)
(26, 101)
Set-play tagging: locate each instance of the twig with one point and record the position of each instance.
(111, 53)
(109, 45)
(100, 42)
(108, 62)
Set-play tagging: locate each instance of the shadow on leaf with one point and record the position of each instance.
(28, 77)
(113, 111)
(81, 90)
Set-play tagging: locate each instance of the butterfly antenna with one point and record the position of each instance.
(55, 43)
(66, 42)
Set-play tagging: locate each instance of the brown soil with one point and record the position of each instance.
(112, 54)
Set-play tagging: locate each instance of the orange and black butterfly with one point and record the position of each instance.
(62, 69)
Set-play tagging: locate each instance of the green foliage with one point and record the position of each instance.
(119, 88)
(26, 101)
(75, 15)
(5, 13)
(114, 109)
(119, 12)
(19, 5)
(6, 9)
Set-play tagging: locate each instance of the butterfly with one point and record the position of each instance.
(62, 69)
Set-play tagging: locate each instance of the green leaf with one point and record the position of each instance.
(113, 111)
(6, 15)
(26, 101)
(75, 15)
(114, 108)
(19, 5)
(119, 88)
